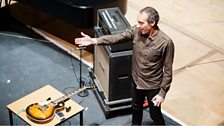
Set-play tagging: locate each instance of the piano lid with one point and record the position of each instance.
(80, 13)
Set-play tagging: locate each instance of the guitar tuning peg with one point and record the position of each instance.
(68, 109)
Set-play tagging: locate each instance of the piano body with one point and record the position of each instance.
(80, 13)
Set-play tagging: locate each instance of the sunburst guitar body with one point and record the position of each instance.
(44, 112)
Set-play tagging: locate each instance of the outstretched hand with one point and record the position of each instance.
(85, 40)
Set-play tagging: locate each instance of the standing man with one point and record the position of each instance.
(153, 53)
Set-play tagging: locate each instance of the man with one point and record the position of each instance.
(153, 53)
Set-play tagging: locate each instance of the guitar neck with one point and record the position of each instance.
(65, 97)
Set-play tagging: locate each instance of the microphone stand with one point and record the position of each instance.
(81, 82)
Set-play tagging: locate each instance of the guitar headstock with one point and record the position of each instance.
(85, 87)
(91, 86)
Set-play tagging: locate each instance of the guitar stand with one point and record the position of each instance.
(81, 82)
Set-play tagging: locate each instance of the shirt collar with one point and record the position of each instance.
(155, 35)
(151, 37)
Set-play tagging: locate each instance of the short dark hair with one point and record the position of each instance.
(153, 15)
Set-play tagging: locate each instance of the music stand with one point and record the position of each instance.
(81, 82)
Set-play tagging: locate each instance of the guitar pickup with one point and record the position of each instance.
(45, 107)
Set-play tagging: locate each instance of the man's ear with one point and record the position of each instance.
(152, 23)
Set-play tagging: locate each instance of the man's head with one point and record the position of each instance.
(147, 19)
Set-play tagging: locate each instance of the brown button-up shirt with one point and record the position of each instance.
(152, 58)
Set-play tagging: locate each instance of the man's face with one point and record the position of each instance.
(143, 24)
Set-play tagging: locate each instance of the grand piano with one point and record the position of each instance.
(80, 13)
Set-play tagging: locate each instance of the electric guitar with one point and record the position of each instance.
(44, 112)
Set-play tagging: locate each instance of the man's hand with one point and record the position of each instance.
(85, 40)
(157, 100)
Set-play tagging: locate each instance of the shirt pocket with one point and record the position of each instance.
(151, 55)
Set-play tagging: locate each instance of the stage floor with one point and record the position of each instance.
(28, 62)
(196, 27)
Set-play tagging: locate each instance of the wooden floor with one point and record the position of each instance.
(196, 27)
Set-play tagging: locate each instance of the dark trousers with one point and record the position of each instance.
(138, 98)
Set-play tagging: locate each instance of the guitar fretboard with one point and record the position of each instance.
(63, 98)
